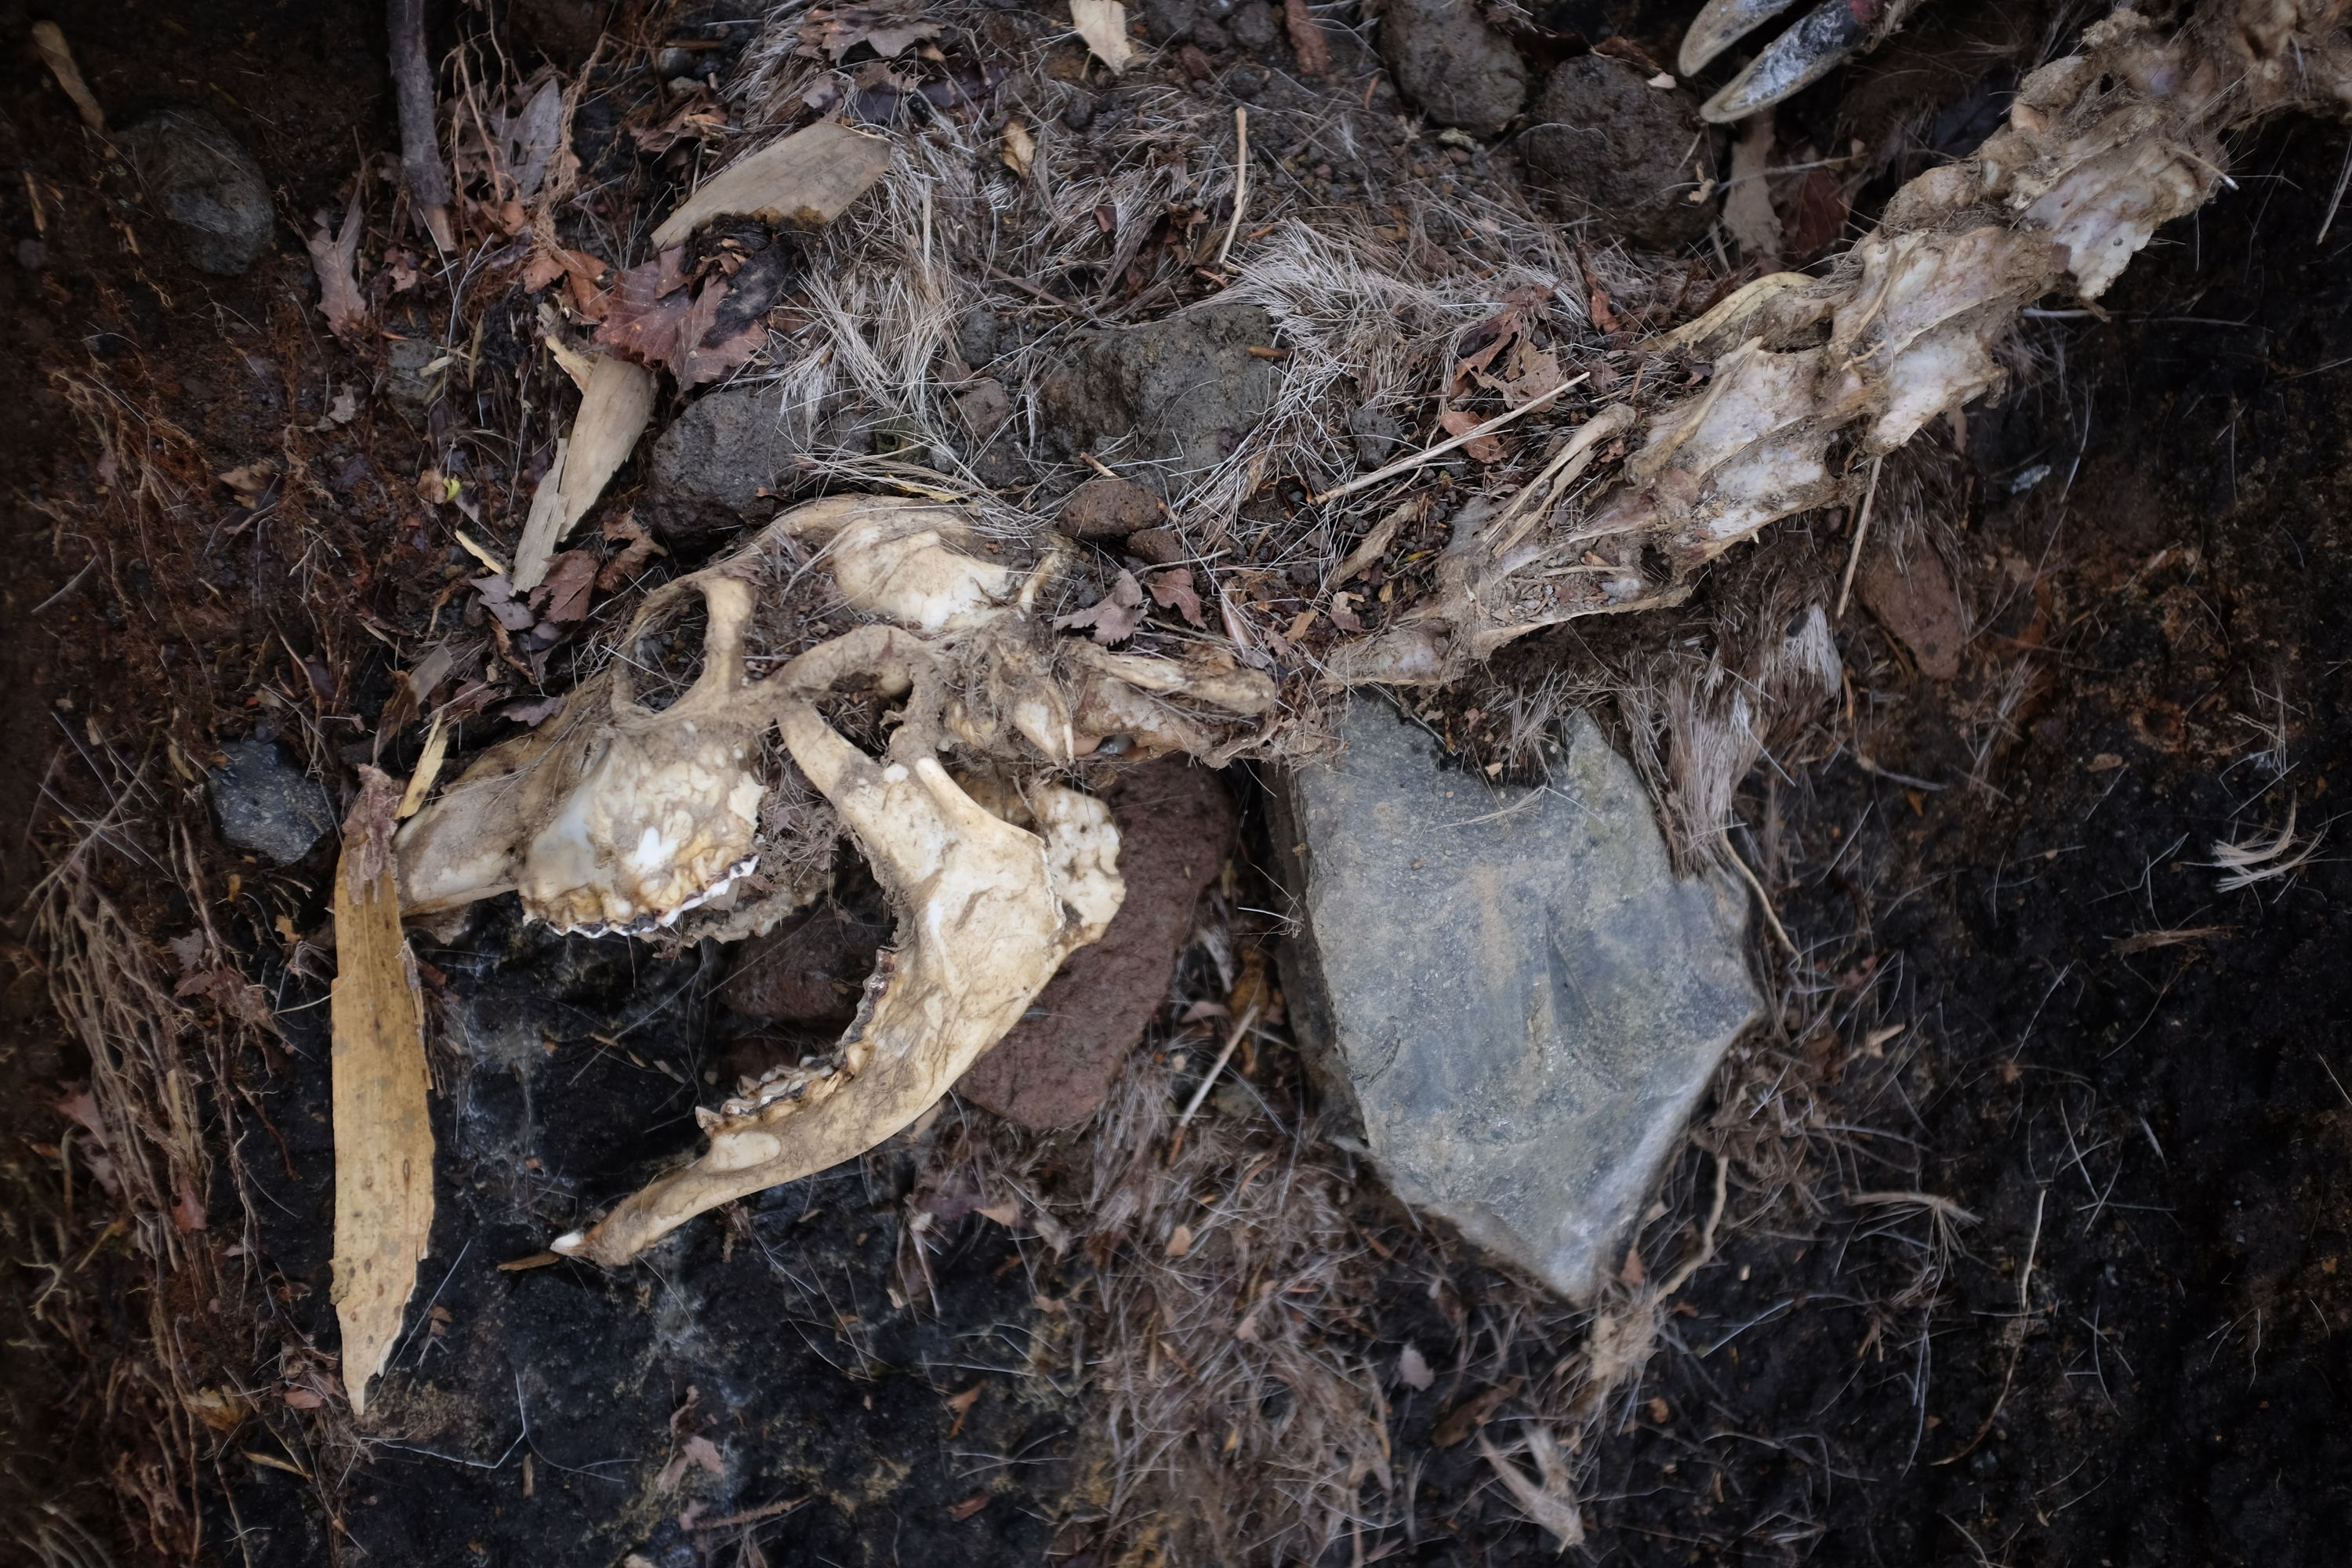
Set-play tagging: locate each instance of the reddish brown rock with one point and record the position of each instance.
(1176, 828)
(1108, 509)
(1914, 600)
(807, 973)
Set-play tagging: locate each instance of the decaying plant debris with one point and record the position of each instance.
(1470, 424)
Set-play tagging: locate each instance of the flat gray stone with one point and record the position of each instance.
(266, 805)
(1508, 989)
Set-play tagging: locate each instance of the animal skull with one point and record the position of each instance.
(616, 816)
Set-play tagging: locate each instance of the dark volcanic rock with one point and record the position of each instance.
(192, 172)
(1512, 991)
(268, 806)
(1605, 142)
(711, 468)
(1176, 827)
(1177, 394)
(1451, 64)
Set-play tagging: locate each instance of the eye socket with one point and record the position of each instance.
(666, 660)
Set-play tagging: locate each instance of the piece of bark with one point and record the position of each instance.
(614, 411)
(808, 178)
(383, 1128)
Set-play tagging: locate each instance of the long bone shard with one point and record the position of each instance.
(987, 911)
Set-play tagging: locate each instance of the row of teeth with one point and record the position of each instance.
(646, 924)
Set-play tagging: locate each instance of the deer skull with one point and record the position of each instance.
(620, 817)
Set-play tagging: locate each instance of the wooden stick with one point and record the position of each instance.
(1241, 182)
(1861, 527)
(1405, 465)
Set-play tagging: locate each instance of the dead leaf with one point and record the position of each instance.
(1412, 1367)
(961, 1404)
(1471, 1413)
(1115, 616)
(334, 258)
(1343, 615)
(971, 1505)
(1307, 38)
(638, 547)
(341, 411)
(306, 1399)
(1461, 422)
(235, 997)
(529, 138)
(809, 178)
(250, 480)
(1103, 25)
(1007, 1213)
(1180, 1241)
(829, 32)
(382, 1127)
(614, 411)
(1172, 590)
(498, 599)
(695, 1450)
(51, 40)
(1020, 148)
(188, 1207)
(570, 578)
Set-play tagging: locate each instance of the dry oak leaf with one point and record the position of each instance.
(1461, 422)
(1115, 616)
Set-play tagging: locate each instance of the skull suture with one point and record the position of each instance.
(616, 816)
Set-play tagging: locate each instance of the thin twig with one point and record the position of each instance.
(1846, 584)
(1241, 182)
(1249, 1016)
(1405, 465)
(1765, 899)
(1706, 1249)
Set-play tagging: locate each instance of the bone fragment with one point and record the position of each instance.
(986, 914)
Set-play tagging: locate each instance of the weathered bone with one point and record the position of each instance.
(2102, 148)
(615, 816)
(986, 914)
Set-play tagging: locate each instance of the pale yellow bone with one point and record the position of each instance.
(986, 914)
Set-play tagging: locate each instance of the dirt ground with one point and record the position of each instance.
(2035, 1247)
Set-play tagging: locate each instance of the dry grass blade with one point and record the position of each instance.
(2243, 865)
(383, 1131)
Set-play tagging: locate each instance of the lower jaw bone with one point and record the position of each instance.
(987, 911)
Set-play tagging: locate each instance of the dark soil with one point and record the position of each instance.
(2133, 1346)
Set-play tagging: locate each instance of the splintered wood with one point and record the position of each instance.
(383, 1133)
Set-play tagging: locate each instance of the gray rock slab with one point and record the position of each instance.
(266, 805)
(1509, 989)
(198, 175)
